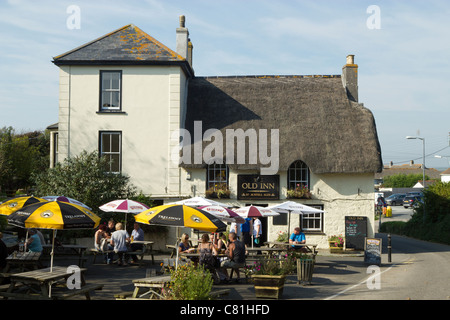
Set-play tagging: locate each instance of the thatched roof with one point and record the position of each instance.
(317, 123)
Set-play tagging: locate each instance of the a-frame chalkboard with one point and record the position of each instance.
(355, 232)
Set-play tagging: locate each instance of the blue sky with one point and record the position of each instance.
(403, 57)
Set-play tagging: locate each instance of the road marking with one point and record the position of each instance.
(357, 285)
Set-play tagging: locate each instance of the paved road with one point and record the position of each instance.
(419, 270)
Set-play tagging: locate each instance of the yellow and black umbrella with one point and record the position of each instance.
(181, 216)
(8, 207)
(54, 215)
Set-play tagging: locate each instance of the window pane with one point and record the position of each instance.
(106, 80)
(115, 165)
(115, 99)
(115, 84)
(115, 143)
(106, 142)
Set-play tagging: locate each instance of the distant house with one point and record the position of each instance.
(129, 96)
(445, 176)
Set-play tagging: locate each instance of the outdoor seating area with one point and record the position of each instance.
(74, 271)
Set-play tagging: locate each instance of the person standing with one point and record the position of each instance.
(257, 231)
(246, 229)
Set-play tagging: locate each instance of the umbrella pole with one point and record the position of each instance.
(51, 263)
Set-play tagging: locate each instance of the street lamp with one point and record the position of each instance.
(440, 157)
(423, 167)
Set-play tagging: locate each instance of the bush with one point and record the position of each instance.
(190, 282)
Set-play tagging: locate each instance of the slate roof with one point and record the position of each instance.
(128, 45)
(317, 122)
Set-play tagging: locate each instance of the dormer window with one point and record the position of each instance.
(110, 90)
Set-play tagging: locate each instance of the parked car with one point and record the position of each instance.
(396, 199)
(409, 201)
(414, 194)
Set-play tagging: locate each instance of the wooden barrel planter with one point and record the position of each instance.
(268, 286)
(305, 270)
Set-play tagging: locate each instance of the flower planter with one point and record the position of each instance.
(335, 248)
(268, 286)
(305, 270)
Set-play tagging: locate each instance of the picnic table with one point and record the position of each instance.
(22, 261)
(35, 285)
(66, 250)
(308, 246)
(147, 249)
(151, 285)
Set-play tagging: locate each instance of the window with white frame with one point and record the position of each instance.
(298, 175)
(111, 148)
(110, 90)
(312, 222)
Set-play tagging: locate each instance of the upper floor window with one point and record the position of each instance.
(298, 175)
(111, 148)
(217, 181)
(110, 90)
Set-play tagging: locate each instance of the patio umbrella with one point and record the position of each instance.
(255, 211)
(181, 216)
(66, 199)
(8, 207)
(223, 214)
(200, 202)
(54, 215)
(293, 207)
(124, 205)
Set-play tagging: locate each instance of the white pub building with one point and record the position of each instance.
(245, 139)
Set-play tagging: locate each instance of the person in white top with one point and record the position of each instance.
(119, 240)
(257, 231)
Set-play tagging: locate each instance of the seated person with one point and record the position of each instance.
(186, 247)
(136, 235)
(236, 256)
(119, 240)
(34, 241)
(298, 237)
(208, 255)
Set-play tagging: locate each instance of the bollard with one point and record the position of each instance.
(389, 248)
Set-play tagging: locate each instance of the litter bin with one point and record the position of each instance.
(305, 269)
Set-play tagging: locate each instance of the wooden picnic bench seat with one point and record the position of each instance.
(123, 295)
(86, 290)
(96, 252)
(216, 293)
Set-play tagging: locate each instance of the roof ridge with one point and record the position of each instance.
(269, 76)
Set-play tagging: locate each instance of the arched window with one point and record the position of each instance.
(217, 176)
(298, 175)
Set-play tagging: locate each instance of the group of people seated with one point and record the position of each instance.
(209, 247)
(114, 239)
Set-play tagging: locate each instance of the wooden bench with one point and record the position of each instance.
(86, 290)
(216, 293)
(95, 252)
(123, 295)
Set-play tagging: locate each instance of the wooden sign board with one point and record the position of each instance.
(258, 187)
(372, 251)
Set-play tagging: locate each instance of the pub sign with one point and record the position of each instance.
(258, 187)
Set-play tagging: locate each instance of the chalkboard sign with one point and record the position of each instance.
(372, 251)
(355, 232)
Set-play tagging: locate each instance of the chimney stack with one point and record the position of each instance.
(184, 46)
(350, 78)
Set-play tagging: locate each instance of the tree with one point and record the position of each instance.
(18, 159)
(85, 178)
(402, 180)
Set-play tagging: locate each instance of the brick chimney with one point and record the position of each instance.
(350, 78)
(184, 45)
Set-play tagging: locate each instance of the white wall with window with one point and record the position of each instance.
(110, 144)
